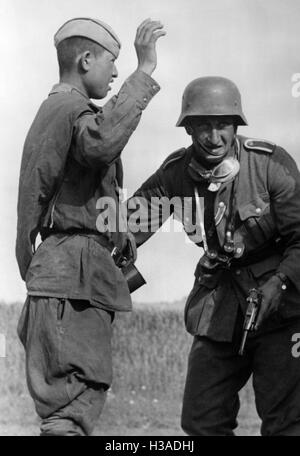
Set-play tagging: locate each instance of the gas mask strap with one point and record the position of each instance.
(200, 216)
(229, 230)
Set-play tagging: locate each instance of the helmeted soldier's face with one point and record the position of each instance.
(213, 137)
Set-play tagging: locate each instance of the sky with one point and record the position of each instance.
(256, 43)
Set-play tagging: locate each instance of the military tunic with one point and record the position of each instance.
(266, 212)
(71, 159)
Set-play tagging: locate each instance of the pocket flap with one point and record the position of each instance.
(267, 265)
(252, 209)
(207, 279)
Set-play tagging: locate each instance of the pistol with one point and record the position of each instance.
(254, 301)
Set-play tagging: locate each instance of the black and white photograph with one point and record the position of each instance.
(150, 231)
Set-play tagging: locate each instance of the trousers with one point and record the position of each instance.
(216, 373)
(68, 362)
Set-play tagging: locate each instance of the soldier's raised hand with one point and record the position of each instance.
(145, 44)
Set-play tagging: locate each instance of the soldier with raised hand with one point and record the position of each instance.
(71, 159)
(245, 213)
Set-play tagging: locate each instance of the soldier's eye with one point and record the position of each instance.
(224, 124)
(203, 126)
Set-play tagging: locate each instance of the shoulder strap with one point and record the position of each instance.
(259, 145)
(177, 155)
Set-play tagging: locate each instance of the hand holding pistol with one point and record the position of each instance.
(254, 302)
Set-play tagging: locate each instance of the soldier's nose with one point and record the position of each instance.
(115, 72)
(214, 136)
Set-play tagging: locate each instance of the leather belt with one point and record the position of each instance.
(98, 237)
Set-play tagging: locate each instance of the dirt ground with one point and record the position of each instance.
(33, 430)
(18, 430)
(143, 418)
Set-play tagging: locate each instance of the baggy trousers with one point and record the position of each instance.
(68, 362)
(216, 373)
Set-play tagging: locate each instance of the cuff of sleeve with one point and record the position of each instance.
(142, 88)
(286, 276)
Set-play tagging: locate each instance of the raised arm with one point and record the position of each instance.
(101, 137)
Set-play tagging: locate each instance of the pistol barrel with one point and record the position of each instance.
(242, 346)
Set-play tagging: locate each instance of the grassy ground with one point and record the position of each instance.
(123, 417)
(150, 355)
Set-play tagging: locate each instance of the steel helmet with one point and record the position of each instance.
(211, 96)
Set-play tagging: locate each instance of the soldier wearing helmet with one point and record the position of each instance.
(245, 214)
(218, 101)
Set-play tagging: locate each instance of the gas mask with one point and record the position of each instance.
(223, 172)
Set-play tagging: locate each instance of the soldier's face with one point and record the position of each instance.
(101, 72)
(213, 137)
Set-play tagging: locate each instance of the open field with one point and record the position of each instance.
(150, 355)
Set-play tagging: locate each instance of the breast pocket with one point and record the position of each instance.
(264, 269)
(257, 222)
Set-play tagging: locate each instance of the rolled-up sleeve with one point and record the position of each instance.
(99, 138)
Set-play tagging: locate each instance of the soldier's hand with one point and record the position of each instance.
(130, 250)
(145, 44)
(271, 299)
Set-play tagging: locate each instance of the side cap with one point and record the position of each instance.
(93, 29)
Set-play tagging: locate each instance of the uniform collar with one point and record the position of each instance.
(64, 87)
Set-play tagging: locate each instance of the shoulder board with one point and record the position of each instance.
(259, 145)
(180, 153)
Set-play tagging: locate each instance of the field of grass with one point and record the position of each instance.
(150, 349)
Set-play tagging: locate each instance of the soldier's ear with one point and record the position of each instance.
(188, 129)
(84, 61)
